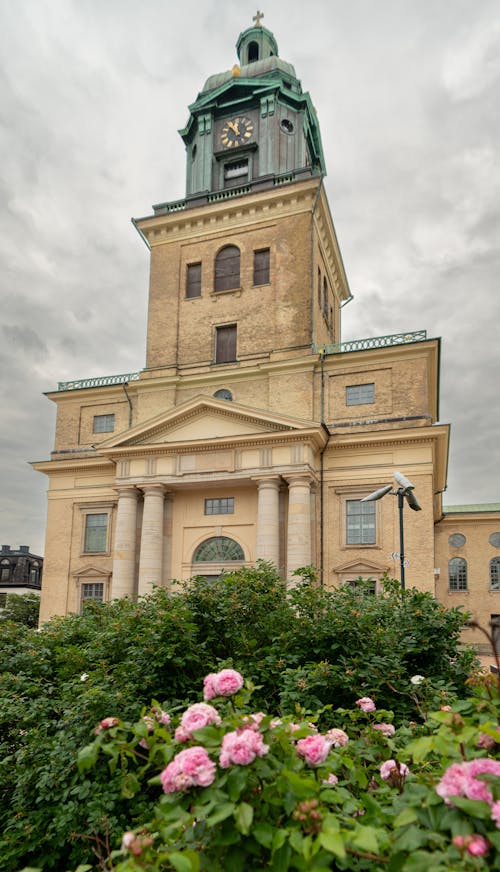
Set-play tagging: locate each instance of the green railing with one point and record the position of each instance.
(373, 342)
(98, 381)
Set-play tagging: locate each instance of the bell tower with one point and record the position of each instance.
(252, 123)
(246, 268)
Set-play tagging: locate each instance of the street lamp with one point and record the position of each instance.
(405, 489)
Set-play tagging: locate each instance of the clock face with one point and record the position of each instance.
(236, 131)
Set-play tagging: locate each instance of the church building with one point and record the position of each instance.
(253, 432)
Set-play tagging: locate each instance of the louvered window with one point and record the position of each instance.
(227, 269)
(225, 343)
(193, 280)
(261, 267)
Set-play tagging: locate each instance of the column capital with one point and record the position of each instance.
(127, 491)
(272, 480)
(299, 478)
(155, 488)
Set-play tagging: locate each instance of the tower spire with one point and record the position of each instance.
(257, 17)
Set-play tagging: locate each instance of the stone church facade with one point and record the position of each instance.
(253, 432)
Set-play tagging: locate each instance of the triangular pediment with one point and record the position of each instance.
(205, 418)
(361, 567)
(91, 572)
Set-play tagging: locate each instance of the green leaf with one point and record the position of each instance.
(187, 861)
(263, 834)
(244, 817)
(223, 812)
(407, 816)
(409, 840)
(420, 748)
(296, 839)
(236, 782)
(474, 807)
(87, 757)
(279, 839)
(365, 838)
(332, 842)
(130, 785)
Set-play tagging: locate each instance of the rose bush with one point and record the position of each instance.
(255, 792)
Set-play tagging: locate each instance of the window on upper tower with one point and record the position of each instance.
(495, 573)
(227, 269)
(253, 52)
(358, 395)
(261, 261)
(225, 343)
(193, 280)
(235, 173)
(104, 423)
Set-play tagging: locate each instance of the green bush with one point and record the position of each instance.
(304, 649)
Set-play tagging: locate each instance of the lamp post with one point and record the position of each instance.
(405, 490)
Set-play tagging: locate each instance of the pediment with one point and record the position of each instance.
(361, 567)
(91, 572)
(205, 418)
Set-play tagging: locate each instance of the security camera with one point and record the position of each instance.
(377, 495)
(403, 482)
(412, 501)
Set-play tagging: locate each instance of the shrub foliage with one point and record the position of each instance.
(305, 650)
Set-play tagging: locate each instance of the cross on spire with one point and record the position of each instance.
(257, 18)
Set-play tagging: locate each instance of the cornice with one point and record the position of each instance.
(381, 439)
(51, 467)
(213, 218)
(315, 436)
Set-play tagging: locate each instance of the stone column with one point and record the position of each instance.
(151, 554)
(268, 523)
(298, 548)
(123, 578)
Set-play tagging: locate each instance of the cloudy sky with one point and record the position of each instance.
(92, 93)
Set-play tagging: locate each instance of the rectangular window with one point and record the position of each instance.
(104, 423)
(360, 523)
(96, 529)
(193, 280)
(261, 267)
(236, 171)
(92, 591)
(225, 344)
(357, 395)
(220, 506)
(5, 575)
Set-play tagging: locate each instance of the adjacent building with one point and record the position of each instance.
(252, 432)
(20, 572)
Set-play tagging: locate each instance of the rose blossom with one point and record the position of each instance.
(366, 704)
(417, 679)
(314, 749)
(390, 770)
(477, 845)
(189, 768)
(241, 747)
(105, 724)
(223, 683)
(460, 779)
(337, 737)
(495, 813)
(387, 730)
(209, 686)
(332, 779)
(196, 717)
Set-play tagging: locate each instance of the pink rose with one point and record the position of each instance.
(463, 779)
(337, 737)
(209, 690)
(393, 772)
(366, 704)
(477, 845)
(314, 749)
(332, 779)
(189, 768)
(387, 730)
(241, 747)
(149, 721)
(223, 683)
(194, 718)
(105, 724)
(495, 813)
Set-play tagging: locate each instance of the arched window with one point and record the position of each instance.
(253, 52)
(227, 268)
(218, 548)
(457, 574)
(223, 394)
(495, 573)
